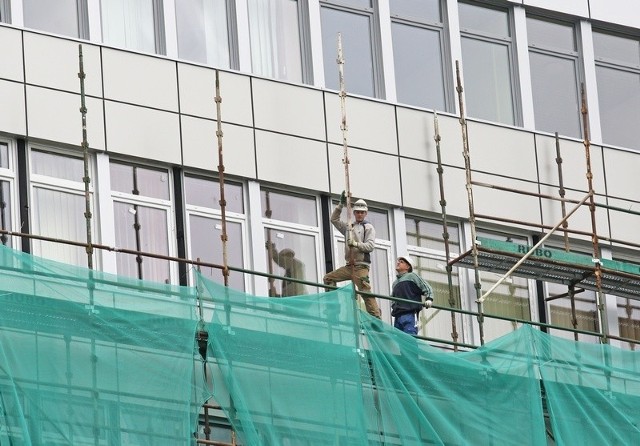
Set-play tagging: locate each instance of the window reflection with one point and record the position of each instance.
(129, 24)
(288, 207)
(203, 34)
(291, 255)
(59, 17)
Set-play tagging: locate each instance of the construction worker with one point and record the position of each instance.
(359, 243)
(293, 268)
(410, 286)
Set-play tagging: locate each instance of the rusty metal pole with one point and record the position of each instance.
(472, 223)
(592, 210)
(445, 231)
(223, 202)
(85, 152)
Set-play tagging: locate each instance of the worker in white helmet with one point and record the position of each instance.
(359, 243)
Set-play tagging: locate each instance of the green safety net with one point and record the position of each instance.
(88, 358)
(314, 370)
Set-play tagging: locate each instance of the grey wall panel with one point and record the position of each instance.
(580, 220)
(574, 7)
(198, 91)
(421, 190)
(142, 132)
(295, 161)
(200, 147)
(55, 116)
(54, 63)
(624, 225)
(371, 125)
(502, 151)
(625, 12)
(622, 169)
(11, 44)
(372, 176)
(288, 109)
(13, 118)
(574, 164)
(140, 79)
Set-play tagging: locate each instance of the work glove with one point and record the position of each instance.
(428, 303)
(343, 198)
(353, 243)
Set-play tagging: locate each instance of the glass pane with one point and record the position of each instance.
(619, 98)
(423, 10)
(292, 255)
(380, 279)
(555, 94)
(428, 234)
(629, 321)
(121, 178)
(487, 81)
(206, 244)
(545, 34)
(139, 181)
(484, 20)
(152, 237)
(203, 35)
(206, 193)
(60, 17)
(361, 4)
(4, 155)
(5, 211)
(380, 221)
(561, 314)
(60, 215)
(356, 46)
(617, 48)
(129, 24)
(57, 166)
(290, 208)
(275, 39)
(418, 66)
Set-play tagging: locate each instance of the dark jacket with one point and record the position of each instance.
(409, 286)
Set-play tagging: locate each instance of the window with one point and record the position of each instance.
(487, 63)
(133, 24)
(7, 192)
(426, 245)
(203, 31)
(58, 205)
(275, 31)
(66, 17)
(5, 16)
(142, 213)
(292, 241)
(418, 53)
(618, 79)
(354, 20)
(204, 226)
(553, 58)
(628, 309)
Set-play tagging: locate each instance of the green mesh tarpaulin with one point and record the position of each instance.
(312, 370)
(92, 359)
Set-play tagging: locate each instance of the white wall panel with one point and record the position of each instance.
(295, 161)
(372, 176)
(622, 12)
(140, 79)
(575, 7)
(622, 168)
(54, 63)
(55, 116)
(200, 146)
(421, 190)
(371, 125)
(624, 225)
(198, 90)
(11, 44)
(502, 151)
(142, 132)
(574, 164)
(416, 132)
(506, 204)
(288, 109)
(12, 119)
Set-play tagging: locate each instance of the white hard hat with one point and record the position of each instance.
(360, 205)
(407, 259)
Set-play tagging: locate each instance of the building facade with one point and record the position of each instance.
(154, 167)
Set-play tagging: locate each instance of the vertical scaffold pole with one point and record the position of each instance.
(472, 218)
(445, 232)
(223, 202)
(592, 210)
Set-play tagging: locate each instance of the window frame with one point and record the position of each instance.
(82, 18)
(9, 175)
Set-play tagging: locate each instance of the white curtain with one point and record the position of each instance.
(129, 24)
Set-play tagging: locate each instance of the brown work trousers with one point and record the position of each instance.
(361, 281)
